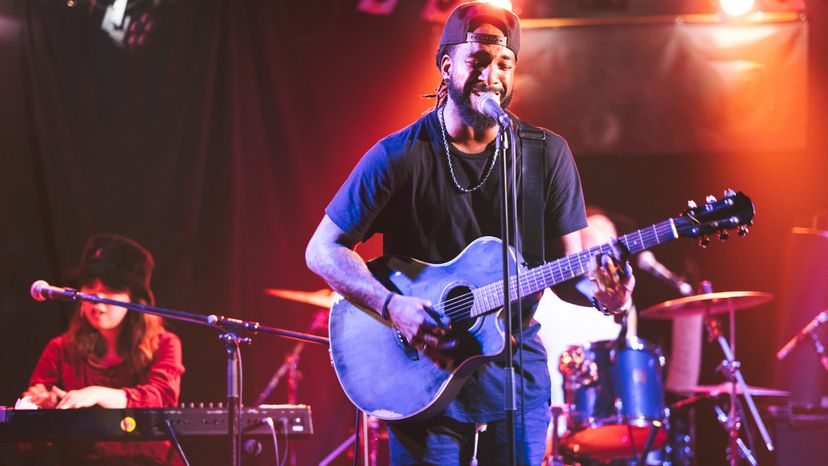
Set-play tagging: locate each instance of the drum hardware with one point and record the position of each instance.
(710, 304)
(619, 408)
(729, 423)
(707, 391)
(615, 391)
(370, 431)
(322, 298)
(648, 444)
(554, 457)
(289, 369)
(578, 368)
(732, 423)
(369, 434)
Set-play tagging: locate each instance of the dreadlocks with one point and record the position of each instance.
(441, 92)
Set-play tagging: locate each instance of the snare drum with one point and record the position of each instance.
(616, 397)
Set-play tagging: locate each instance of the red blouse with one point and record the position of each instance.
(158, 386)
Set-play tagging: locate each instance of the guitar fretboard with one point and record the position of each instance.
(490, 297)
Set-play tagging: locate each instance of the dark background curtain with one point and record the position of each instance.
(219, 142)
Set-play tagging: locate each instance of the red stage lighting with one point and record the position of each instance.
(737, 8)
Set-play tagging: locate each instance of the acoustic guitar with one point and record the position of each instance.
(387, 378)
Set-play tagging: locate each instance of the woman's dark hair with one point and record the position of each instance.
(137, 340)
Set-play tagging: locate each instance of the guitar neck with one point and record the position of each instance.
(490, 297)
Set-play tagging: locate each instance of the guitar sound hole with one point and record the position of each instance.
(457, 305)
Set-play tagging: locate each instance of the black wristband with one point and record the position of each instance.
(624, 307)
(597, 305)
(384, 311)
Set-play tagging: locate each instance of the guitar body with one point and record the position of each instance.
(383, 375)
(387, 378)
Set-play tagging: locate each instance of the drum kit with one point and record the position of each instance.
(614, 393)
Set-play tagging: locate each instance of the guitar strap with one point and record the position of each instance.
(532, 207)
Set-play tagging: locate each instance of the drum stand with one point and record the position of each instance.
(730, 366)
(555, 458)
(368, 432)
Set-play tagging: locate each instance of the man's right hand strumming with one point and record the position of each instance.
(418, 324)
(330, 254)
(411, 317)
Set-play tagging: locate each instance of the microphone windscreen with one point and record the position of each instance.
(37, 290)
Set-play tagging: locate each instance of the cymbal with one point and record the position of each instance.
(319, 298)
(724, 389)
(709, 303)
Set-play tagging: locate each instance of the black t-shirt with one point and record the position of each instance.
(403, 189)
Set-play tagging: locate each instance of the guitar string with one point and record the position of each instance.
(461, 305)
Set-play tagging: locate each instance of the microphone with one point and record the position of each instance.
(41, 290)
(820, 319)
(648, 263)
(489, 104)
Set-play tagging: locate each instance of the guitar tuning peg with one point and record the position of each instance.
(729, 192)
(704, 241)
(710, 199)
(724, 235)
(692, 204)
(742, 231)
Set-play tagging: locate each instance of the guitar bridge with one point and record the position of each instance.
(409, 350)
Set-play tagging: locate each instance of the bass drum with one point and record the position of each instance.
(614, 390)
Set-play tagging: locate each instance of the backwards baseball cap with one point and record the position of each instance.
(462, 22)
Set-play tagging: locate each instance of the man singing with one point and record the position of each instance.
(431, 189)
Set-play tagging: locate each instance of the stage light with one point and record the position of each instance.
(115, 21)
(737, 7)
(129, 22)
(137, 31)
(436, 11)
(505, 4)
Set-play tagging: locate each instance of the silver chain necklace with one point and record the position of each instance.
(448, 158)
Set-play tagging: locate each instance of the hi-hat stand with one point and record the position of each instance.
(731, 421)
(290, 367)
(369, 432)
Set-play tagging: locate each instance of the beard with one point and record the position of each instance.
(461, 96)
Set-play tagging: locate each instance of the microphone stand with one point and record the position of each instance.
(233, 333)
(504, 134)
(808, 331)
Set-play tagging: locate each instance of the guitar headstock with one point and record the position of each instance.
(734, 211)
